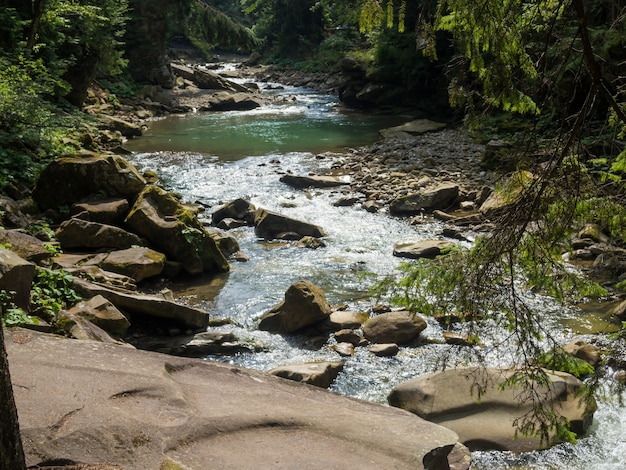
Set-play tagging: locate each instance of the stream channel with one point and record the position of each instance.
(212, 158)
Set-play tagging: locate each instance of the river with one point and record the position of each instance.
(212, 158)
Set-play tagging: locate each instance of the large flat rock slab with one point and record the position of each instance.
(94, 402)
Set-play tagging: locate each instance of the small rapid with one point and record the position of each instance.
(213, 158)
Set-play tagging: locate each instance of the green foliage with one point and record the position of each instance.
(565, 362)
(11, 314)
(51, 292)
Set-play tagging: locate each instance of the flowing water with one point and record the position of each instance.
(212, 158)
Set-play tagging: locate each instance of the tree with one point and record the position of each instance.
(559, 62)
(11, 451)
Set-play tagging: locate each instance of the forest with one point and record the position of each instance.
(547, 76)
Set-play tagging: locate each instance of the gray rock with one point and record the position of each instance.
(425, 249)
(69, 179)
(77, 233)
(304, 305)
(583, 350)
(236, 209)
(10, 214)
(175, 230)
(439, 197)
(106, 211)
(144, 410)
(394, 327)
(488, 422)
(316, 181)
(148, 305)
(225, 101)
(319, 374)
(103, 314)
(16, 275)
(139, 263)
(26, 246)
(79, 327)
(409, 130)
(384, 350)
(270, 224)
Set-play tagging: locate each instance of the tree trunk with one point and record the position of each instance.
(11, 451)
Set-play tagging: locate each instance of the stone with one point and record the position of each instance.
(384, 350)
(305, 304)
(175, 231)
(225, 101)
(110, 211)
(126, 128)
(398, 327)
(103, 314)
(506, 195)
(319, 374)
(343, 319)
(10, 214)
(344, 349)
(410, 129)
(458, 339)
(214, 343)
(439, 197)
(270, 224)
(349, 336)
(69, 179)
(229, 224)
(488, 422)
(139, 263)
(583, 350)
(78, 327)
(77, 233)
(144, 410)
(311, 243)
(425, 249)
(146, 305)
(26, 246)
(239, 209)
(301, 182)
(16, 275)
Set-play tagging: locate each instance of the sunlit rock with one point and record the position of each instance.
(320, 374)
(488, 421)
(394, 327)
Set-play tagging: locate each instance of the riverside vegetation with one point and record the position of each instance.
(565, 153)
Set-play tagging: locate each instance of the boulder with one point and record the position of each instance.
(86, 266)
(394, 327)
(207, 79)
(78, 233)
(425, 249)
(439, 197)
(384, 350)
(175, 231)
(350, 336)
(16, 275)
(319, 374)
(143, 410)
(103, 314)
(225, 101)
(342, 319)
(239, 209)
(270, 224)
(507, 194)
(487, 422)
(79, 327)
(146, 305)
(127, 129)
(583, 350)
(304, 305)
(301, 182)
(10, 214)
(110, 211)
(344, 349)
(214, 343)
(409, 130)
(138, 263)
(69, 179)
(24, 245)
